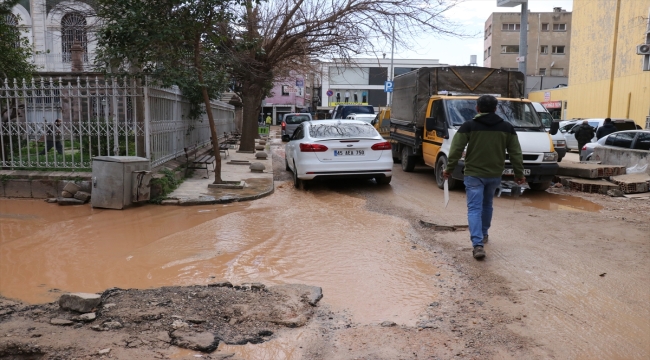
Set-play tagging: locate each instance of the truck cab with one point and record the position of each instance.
(445, 114)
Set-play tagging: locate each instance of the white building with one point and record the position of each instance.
(362, 83)
(52, 27)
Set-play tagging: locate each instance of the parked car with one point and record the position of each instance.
(342, 111)
(337, 149)
(620, 124)
(291, 121)
(362, 117)
(559, 143)
(630, 139)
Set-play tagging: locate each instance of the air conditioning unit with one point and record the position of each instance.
(643, 49)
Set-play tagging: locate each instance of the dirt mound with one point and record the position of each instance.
(145, 324)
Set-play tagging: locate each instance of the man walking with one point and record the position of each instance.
(487, 137)
(606, 129)
(584, 133)
(268, 119)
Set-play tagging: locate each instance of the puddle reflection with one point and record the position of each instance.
(546, 201)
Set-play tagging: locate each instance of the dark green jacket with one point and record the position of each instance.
(487, 138)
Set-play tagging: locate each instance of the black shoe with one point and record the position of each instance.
(478, 252)
(486, 239)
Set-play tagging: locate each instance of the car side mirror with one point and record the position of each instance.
(555, 126)
(439, 125)
(286, 138)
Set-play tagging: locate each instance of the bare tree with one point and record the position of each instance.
(271, 38)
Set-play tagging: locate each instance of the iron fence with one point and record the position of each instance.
(97, 117)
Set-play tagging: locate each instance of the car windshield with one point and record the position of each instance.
(519, 114)
(347, 110)
(342, 131)
(295, 119)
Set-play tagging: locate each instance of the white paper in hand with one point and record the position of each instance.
(446, 191)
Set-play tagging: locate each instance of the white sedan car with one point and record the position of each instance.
(337, 149)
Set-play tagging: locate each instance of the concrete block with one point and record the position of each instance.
(18, 188)
(71, 187)
(43, 189)
(632, 183)
(82, 195)
(589, 171)
(592, 186)
(80, 302)
(69, 201)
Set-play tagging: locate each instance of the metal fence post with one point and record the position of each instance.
(147, 118)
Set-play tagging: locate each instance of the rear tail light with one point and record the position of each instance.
(381, 146)
(584, 147)
(312, 148)
(284, 125)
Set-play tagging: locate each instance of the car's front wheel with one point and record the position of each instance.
(441, 165)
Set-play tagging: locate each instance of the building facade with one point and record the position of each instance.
(53, 27)
(291, 94)
(609, 78)
(549, 43)
(361, 83)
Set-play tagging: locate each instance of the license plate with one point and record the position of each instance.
(512, 172)
(348, 153)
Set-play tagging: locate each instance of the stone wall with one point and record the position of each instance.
(40, 184)
(623, 157)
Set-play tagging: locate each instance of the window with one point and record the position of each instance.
(545, 27)
(489, 51)
(510, 27)
(542, 71)
(642, 141)
(285, 90)
(485, 56)
(12, 20)
(624, 139)
(558, 49)
(73, 30)
(557, 72)
(559, 27)
(510, 49)
(543, 49)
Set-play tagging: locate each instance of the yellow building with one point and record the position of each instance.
(606, 76)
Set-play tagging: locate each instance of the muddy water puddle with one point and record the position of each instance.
(363, 261)
(546, 201)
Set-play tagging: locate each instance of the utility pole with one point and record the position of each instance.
(523, 38)
(390, 75)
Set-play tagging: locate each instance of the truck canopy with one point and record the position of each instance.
(411, 91)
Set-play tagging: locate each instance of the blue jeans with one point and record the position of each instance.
(480, 192)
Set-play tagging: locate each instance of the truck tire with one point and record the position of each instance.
(441, 164)
(540, 186)
(408, 161)
(396, 155)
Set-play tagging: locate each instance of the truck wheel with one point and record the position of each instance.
(441, 165)
(541, 186)
(408, 161)
(395, 151)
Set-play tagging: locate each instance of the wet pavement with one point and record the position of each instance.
(356, 240)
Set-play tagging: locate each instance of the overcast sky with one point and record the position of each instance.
(472, 14)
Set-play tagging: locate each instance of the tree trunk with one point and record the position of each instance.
(252, 94)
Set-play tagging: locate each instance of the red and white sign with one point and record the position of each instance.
(552, 104)
(547, 95)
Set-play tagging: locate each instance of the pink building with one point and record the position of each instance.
(288, 95)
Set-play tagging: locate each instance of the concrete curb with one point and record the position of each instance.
(211, 200)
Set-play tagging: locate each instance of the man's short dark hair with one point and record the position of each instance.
(608, 120)
(487, 104)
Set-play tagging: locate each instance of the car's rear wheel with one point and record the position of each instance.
(298, 183)
(286, 165)
(441, 165)
(408, 161)
(383, 180)
(540, 186)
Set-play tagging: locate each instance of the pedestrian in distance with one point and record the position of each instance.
(487, 137)
(52, 138)
(607, 128)
(268, 119)
(584, 133)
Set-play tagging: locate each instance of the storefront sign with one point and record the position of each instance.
(547, 95)
(552, 104)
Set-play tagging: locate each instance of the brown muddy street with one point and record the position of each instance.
(566, 277)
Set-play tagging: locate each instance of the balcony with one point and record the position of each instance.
(54, 63)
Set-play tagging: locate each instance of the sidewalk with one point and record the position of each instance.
(195, 191)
